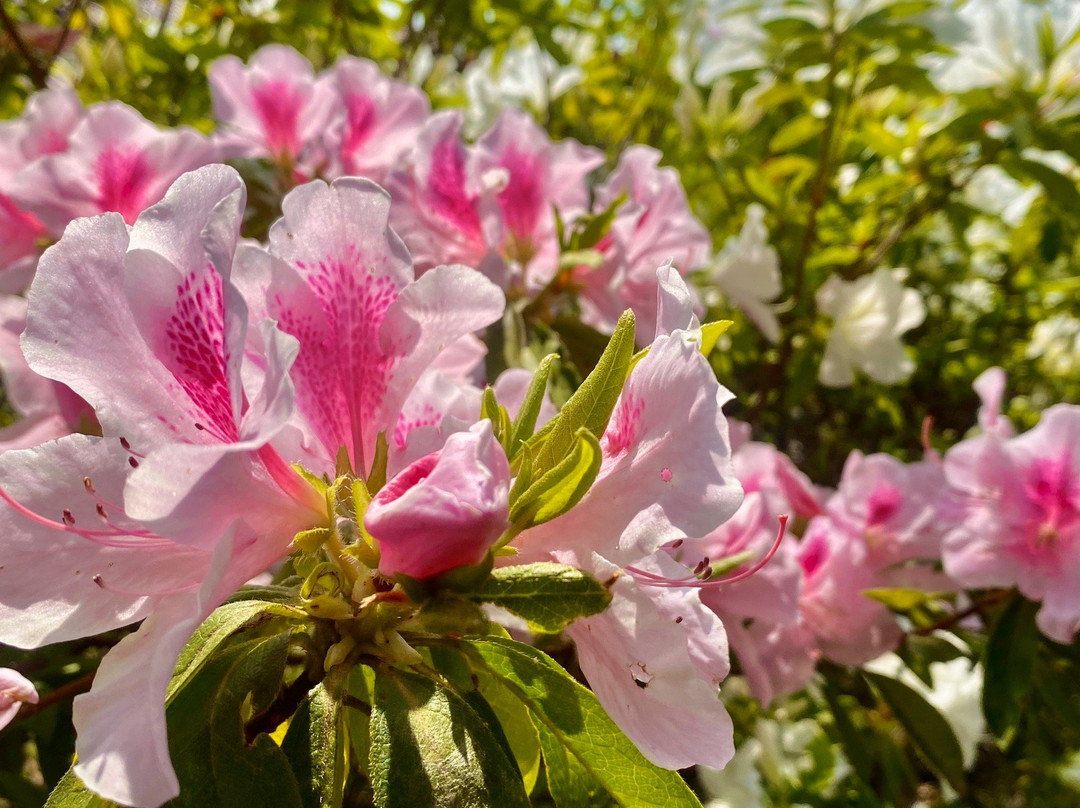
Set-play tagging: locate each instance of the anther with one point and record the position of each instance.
(69, 520)
(102, 514)
(133, 462)
(199, 426)
(88, 484)
(125, 444)
(97, 580)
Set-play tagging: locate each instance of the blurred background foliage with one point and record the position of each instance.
(827, 113)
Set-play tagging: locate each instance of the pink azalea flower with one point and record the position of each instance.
(378, 119)
(895, 508)
(339, 280)
(115, 161)
(653, 225)
(48, 409)
(20, 234)
(848, 627)
(655, 659)
(762, 467)
(990, 387)
(768, 599)
(437, 407)
(15, 690)
(880, 529)
(272, 107)
(146, 326)
(1019, 500)
(42, 129)
(656, 656)
(446, 509)
(490, 205)
(777, 660)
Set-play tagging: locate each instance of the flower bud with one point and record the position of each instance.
(446, 509)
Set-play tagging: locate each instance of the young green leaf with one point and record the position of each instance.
(562, 487)
(430, 748)
(572, 715)
(547, 596)
(592, 404)
(710, 333)
(524, 424)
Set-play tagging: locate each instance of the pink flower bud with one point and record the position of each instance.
(446, 509)
(14, 690)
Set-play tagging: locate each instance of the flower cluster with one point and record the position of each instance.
(199, 408)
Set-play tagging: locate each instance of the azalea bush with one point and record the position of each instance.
(540, 404)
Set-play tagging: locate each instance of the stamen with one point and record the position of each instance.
(114, 537)
(133, 462)
(646, 578)
(97, 579)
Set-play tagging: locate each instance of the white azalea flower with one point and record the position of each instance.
(992, 190)
(1002, 45)
(525, 77)
(747, 270)
(737, 785)
(1055, 342)
(869, 314)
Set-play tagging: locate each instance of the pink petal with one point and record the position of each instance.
(83, 587)
(655, 659)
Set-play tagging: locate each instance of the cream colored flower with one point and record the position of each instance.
(869, 314)
(747, 271)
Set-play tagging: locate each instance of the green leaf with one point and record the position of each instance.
(569, 782)
(711, 332)
(899, 599)
(852, 741)
(598, 225)
(512, 717)
(562, 488)
(1008, 663)
(225, 621)
(524, 424)
(585, 258)
(796, 132)
(71, 793)
(571, 715)
(591, 405)
(1060, 190)
(314, 745)
(215, 763)
(927, 728)
(546, 595)
(430, 748)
